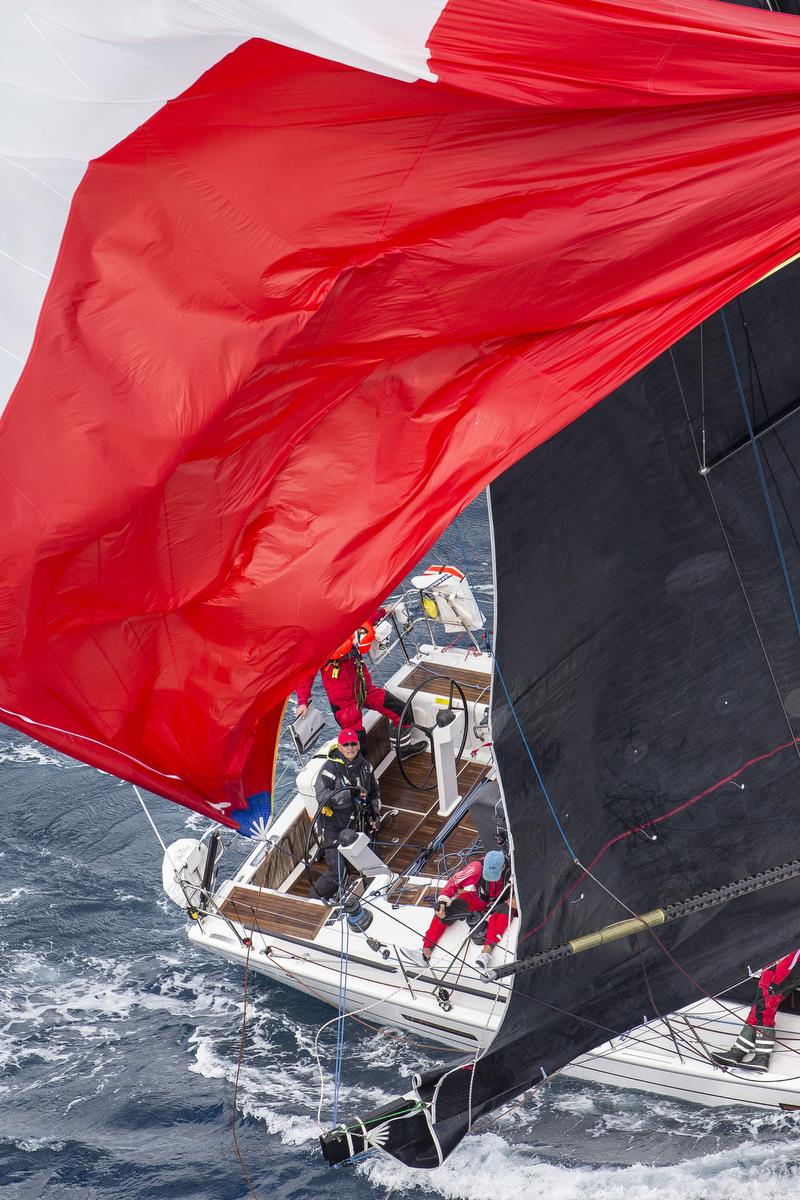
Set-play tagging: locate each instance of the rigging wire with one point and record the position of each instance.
(541, 781)
(587, 871)
(655, 937)
(343, 967)
(762, 479)
(652, 999)
(706, 475)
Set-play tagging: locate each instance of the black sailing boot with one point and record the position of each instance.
(409, 745)
(764, 1044)
(741, 1048)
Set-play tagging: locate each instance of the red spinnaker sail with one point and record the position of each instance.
(304, 313)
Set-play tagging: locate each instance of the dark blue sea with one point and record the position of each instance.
(119, 1041)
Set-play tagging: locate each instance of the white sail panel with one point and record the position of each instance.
(77, 77)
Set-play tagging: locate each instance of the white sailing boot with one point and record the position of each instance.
(484, 958)
(414, 956)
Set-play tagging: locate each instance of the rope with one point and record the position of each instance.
(189, 903)
(479, 1053)
(355, 1013)
(343, 966)
(410, 928)
(236, 1146)
(155, 829)
(529, 752)
(647, 929)
(586, 872)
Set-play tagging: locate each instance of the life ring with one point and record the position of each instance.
(434, 572)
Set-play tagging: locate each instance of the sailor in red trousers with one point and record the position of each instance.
(753, 1047)
(474, 889)
(349, 687)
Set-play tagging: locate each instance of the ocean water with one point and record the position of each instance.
(120, 1042)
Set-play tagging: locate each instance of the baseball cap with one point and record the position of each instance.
(493, 865)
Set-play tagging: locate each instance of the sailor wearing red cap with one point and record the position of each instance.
(347, 795)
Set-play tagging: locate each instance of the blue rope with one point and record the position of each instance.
(537, 772)
(337, 1073)
(761, 476)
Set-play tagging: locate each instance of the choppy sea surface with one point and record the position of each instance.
(119, 1041)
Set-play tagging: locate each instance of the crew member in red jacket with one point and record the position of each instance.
(753, 1047)
(474, 889)
(349, 687)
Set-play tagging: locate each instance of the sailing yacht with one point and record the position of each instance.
(440, 809)
(285, 287)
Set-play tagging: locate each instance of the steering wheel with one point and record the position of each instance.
(456, 703)
(315, 833)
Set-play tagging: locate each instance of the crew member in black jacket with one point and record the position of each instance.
(347, 795)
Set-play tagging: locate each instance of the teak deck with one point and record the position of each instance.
(410, 822)
(406, 833)
(271, 913)
(475, 684)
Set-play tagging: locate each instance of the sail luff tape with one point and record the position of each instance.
(658, 916)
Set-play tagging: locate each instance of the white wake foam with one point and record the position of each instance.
(488, 1166)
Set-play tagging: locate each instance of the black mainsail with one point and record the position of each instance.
(646, 705)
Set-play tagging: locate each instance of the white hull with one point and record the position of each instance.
(648, 1060)
(377, 988)
(298, 941)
